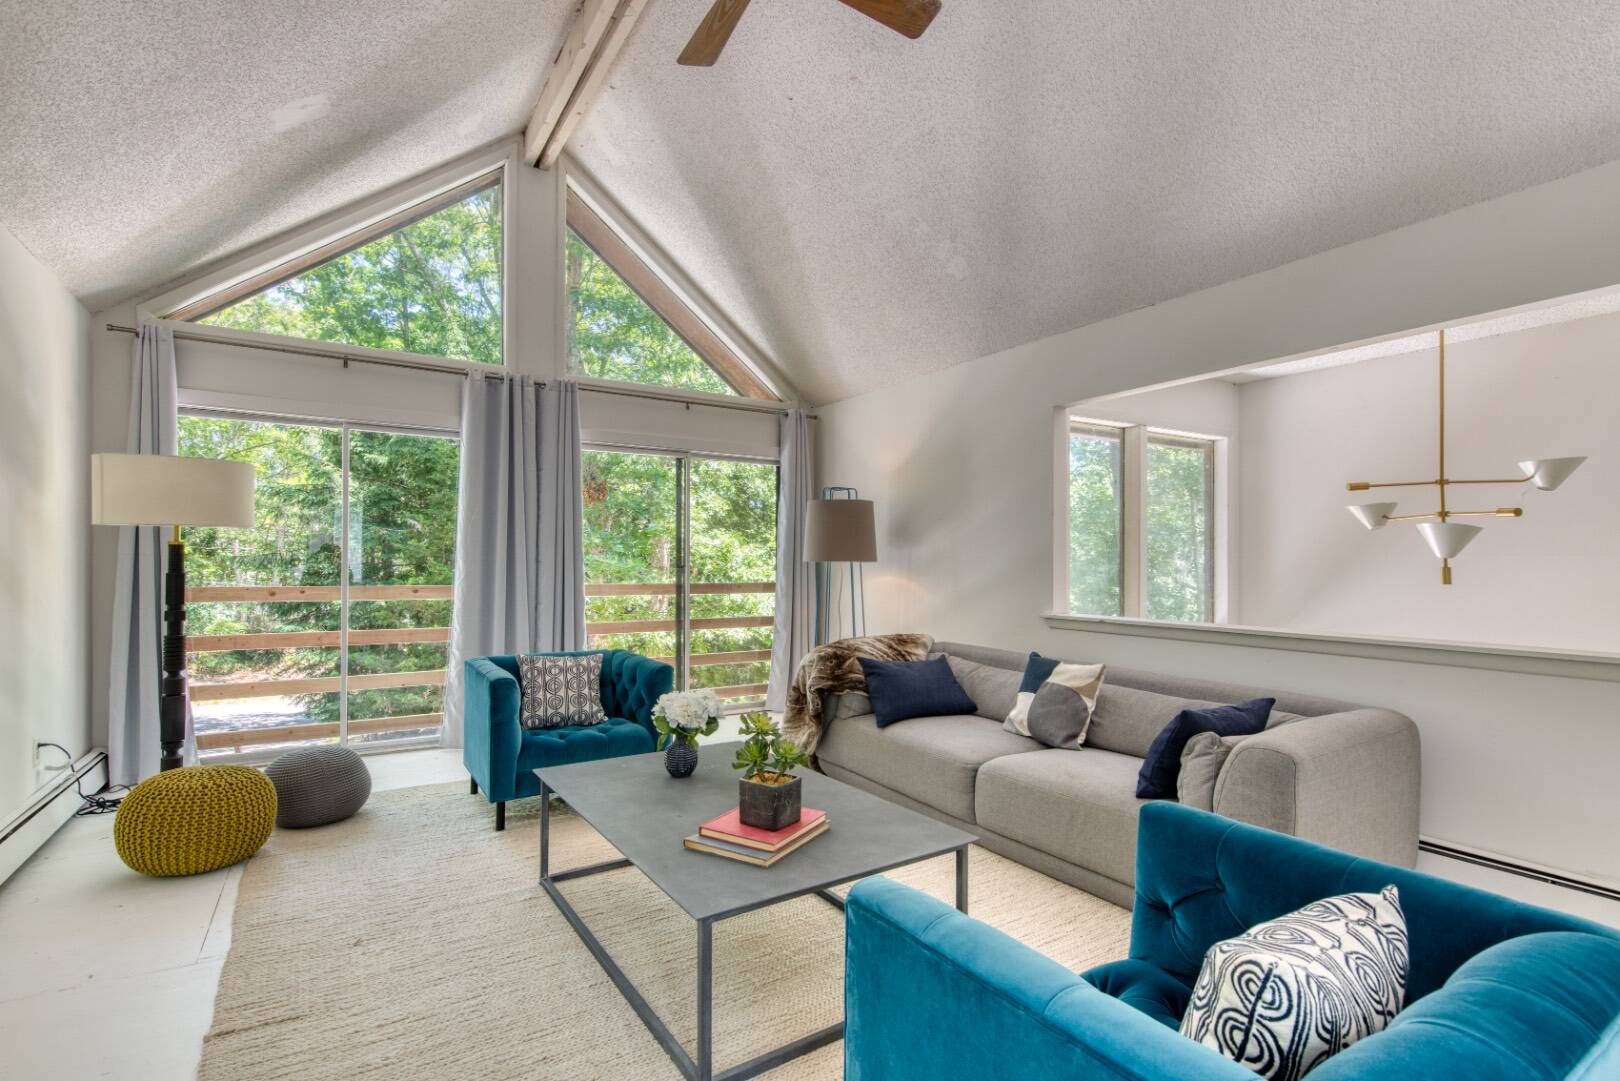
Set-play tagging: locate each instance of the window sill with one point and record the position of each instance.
(1528, 660)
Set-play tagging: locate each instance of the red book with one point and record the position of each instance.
(729, 827)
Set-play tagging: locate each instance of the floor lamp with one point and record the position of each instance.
(839, 528)
(164, 490)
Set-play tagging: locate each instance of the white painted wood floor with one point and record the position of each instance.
(107, 973)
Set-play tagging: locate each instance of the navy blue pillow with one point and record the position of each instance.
(1162, 766)
(902, 689)
(1037, 670)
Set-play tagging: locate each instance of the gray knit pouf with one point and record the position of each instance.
(318, 785)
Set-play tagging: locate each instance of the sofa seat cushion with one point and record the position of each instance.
(582, 743)
(933, 760)
(1143, 985)
(1079, 806)
(1527, 1009)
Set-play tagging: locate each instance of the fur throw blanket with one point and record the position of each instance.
(835, 669)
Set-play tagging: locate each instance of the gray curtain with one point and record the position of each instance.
(795, 579)
(520, 552)
(137, 618)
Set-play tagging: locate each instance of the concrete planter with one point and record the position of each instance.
(768, 806)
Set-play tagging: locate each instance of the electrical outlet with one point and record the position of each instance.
(49, 758)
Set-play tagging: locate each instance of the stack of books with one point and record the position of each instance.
(727, 836)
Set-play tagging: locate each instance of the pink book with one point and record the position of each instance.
(729, 827)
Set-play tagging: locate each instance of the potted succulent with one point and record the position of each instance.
(768, 792)
(681, 717)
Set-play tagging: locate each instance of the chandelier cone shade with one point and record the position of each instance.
(1548, 473)
(1372, 515)
(1447, 539)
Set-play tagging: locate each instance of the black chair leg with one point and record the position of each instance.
(500, 816)
(474, 782)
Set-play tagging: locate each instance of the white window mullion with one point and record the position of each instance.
(343, 598)
(1133, 531)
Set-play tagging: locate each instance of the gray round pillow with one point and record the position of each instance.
(318, 785)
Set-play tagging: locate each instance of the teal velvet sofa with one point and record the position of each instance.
(1497, 990)
(501, 755)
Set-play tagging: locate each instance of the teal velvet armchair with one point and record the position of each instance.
(1497, 990)
(501, 755)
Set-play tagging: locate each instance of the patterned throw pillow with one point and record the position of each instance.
(1286, 994)
(1055, 702)
(560, 690)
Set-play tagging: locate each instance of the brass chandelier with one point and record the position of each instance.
(1445, 537)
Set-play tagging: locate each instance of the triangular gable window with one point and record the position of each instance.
(425, 280)
(625, 323)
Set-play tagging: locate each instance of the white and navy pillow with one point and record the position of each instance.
(560, 690)
(1289, 993)
(1055, 701)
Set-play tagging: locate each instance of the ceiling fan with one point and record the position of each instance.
(909, 17)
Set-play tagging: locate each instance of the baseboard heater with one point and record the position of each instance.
(1523, 870)
(51, 806)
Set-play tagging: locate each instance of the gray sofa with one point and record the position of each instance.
(1329, 771)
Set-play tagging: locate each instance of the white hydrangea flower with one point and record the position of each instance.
(688, 710)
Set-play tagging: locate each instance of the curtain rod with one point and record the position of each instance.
(449, 369)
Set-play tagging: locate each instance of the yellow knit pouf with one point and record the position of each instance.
(194, 819)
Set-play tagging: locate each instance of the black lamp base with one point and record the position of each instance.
(175, 709)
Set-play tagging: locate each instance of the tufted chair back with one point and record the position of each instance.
(1201, 878)
(631, 683)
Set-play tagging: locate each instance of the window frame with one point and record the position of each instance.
(610, 235)
(251, 757)
(683, 572)
(500, 160)
(1135, 439)
(1213, 489)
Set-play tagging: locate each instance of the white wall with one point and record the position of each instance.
(960, 466)
(45, 527)
(1547, 579)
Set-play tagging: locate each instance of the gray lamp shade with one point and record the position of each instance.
(167, 490)
(839, 531)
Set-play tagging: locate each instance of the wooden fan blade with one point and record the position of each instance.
(909, 17)
(712, 33)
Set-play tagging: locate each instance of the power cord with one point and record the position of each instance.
(98, 803)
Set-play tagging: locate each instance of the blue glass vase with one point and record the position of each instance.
(681, 758)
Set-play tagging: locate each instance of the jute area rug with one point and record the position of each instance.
(411, 942)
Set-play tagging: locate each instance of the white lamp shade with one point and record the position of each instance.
(1447, 539)
(1548, 473)
(839, 531)
(1371, 515)
(165, 490)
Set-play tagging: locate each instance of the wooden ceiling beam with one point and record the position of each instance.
(594, 40)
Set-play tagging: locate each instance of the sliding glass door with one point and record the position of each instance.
(680, 564)
(329, 620)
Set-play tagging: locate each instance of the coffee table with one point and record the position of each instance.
(645, 813)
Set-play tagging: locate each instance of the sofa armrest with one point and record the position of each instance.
(1348, 780)
(932, 994)
(491, 735)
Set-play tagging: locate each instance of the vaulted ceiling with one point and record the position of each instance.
(867, 208)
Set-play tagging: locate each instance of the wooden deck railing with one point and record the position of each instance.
(398, 636)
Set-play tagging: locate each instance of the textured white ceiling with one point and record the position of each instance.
(867, 208)
(138, 140)
(870, 208)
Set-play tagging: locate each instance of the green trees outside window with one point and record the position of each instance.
(1169, 526)
(633, 550)
(613, 334)
(1096, 508)
(1180, 523)
(432, 287)
(269, 629)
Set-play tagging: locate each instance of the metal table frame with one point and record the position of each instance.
(702, 1068)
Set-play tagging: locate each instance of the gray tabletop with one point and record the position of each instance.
(645, 813)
